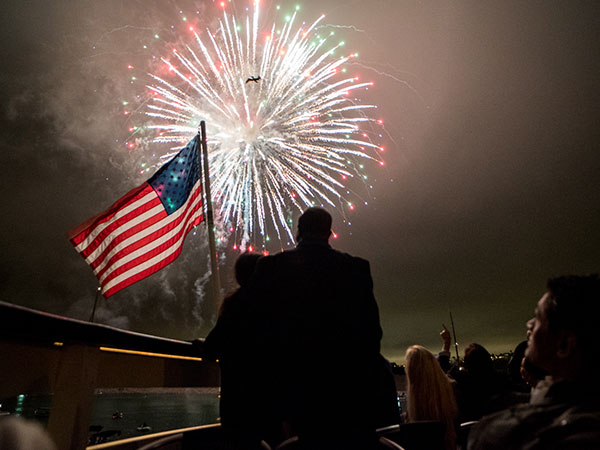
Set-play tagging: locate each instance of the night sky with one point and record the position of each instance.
(491, 183)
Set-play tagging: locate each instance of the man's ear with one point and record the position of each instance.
(566, 344)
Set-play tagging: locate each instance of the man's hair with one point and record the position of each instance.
(244, 267)
(478, 360)
(314, 224)
(574, 306)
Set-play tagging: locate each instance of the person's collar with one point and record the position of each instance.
(312, 243)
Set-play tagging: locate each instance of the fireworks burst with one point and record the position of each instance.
(286, 141)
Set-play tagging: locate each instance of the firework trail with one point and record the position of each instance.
(287, 141)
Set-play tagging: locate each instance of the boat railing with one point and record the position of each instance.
(44, 353)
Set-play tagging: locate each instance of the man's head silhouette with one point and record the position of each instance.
(563, 336)
(244, 267)
(314, 225)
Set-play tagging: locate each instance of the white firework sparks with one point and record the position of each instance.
(287, 141)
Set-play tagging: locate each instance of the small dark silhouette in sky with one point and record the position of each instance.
(255, 79)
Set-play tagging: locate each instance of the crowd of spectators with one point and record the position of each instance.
(302, 314)
(284, 338)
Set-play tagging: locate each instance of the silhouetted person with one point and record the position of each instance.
(387, 410)
(564, 342)
(478, 361)
(444, 354)
(430, 395)
(518, 384)
(240, 389)
(320, 337)
(17, 433)
(480, 388)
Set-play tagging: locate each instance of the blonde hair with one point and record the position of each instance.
(429, 393)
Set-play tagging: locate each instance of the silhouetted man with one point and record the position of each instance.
(564, 342)
(319, 324)
(240, 394)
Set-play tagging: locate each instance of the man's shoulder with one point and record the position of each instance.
(346, 259)
(273, 258)
(268, 263)
(538, 426)
(281, 259)
(355, 260)
(507, 429)
(571, 427)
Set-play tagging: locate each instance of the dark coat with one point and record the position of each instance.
(567, 418)
(318, 337)
(225, 344)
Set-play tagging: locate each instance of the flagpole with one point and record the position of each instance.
(95, 302)
(215, 283)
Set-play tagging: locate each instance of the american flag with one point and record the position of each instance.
(144, 230)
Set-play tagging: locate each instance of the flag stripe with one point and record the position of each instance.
(168, 227)
(144, 230)
(134, 220)
(142, 274)
(111, 217)
(140, 232)
(139, 256)
(150, 265)
(80, 232)
(128, 220)
(126, 237)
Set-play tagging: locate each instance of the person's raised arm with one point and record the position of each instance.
(444, 355)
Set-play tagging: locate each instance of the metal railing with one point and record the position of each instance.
(42, 353)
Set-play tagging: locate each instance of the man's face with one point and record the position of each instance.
(542, 343)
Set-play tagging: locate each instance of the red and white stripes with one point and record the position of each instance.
(135, 237)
